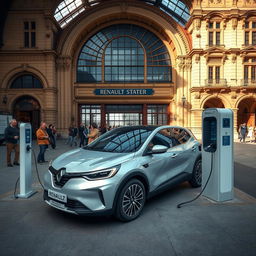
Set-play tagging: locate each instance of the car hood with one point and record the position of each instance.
(81, 160)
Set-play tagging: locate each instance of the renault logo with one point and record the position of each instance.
(60, 174)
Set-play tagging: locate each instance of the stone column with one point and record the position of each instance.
(64, 86)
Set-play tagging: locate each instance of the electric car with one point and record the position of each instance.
(120, 170)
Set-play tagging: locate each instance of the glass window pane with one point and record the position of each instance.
(124, 56)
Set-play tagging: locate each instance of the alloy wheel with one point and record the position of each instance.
(133, 200)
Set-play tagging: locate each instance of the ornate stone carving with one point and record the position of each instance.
(197, 96)
(234, 23)
(233, 58)
(197, 58)
(250, 2)
(215, 2)
(188, 63)
(181, 62)
(234, 2)
(197, 24)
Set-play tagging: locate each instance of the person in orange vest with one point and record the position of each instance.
(42, 141)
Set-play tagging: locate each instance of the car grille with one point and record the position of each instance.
(64, 179)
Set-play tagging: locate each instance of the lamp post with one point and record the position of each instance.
(183, 99)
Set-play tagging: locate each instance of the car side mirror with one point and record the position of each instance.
(158, 149)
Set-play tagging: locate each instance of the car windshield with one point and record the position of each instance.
(121, 140)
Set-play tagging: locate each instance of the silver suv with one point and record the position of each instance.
(116, 173)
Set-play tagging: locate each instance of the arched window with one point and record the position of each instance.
(26, 82)
(67, 10)
(124, 53)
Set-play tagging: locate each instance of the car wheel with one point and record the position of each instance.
(130, 201)
(196, 180)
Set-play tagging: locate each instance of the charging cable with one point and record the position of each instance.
(187, 202)
(37, 172)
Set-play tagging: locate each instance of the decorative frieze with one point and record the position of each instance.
(216, 3)
(250, 2)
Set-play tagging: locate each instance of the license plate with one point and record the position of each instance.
(57, 204)
(57, 196)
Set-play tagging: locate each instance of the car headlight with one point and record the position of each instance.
(102, 174)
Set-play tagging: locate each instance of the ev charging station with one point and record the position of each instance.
(218, 140)
(25, 161)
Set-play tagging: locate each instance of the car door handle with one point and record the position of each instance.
(193, 148)
(174, 155)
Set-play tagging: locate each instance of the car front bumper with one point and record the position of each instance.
(83, 197)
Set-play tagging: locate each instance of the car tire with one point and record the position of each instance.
(196, 180)
(130, 201)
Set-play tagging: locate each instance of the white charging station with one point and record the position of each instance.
(25, 161)
(217, 126)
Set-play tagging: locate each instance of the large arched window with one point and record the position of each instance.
(67, 10)
(26, 82)
(124, 53)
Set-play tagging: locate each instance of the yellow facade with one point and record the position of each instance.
(53, 60)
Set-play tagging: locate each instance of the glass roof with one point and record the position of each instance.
(67, 10)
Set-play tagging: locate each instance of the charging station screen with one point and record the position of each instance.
(226, 123)
(209, 132)
(27, 132)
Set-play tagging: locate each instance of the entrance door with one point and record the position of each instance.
(27, 109)
(123, 115)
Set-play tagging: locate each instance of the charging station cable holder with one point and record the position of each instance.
(25, 161)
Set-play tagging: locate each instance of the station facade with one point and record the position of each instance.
(127, 62)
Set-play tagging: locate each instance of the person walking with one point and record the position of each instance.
(81, 134)
(86, 132)
(51, 134)
(42, 141)
(11, 135)
(70, 131)
(74, 136)
(243, 132)
(94, 133)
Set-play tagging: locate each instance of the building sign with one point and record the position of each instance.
(128, 92)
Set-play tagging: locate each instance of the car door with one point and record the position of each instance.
(159, 164)
(183, 152)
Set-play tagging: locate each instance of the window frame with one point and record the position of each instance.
(250, 32)
(214, 33)
(29, 34)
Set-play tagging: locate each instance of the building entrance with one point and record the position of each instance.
(27, 109)
(116, 115)
(123, 115)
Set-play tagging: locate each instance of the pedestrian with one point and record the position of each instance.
(86, 132)
(81, 134)
(11, 135)
(42, 141)
(243, 132)
(51, 134)
(94, 133)
(254, 134)
(250, 133)
(74, 136)
(70, 131)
